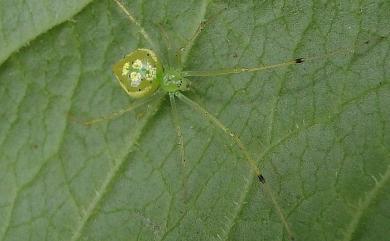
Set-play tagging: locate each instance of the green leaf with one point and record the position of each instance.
(22, 21)
(320, 131)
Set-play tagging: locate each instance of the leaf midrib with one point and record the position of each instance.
(110, 177)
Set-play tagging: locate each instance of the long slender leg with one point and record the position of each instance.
(180, 142)
(165, 36)
(120, 112)
(232, 136)
(135, 21)
(179, 132)
(182, 52)
(238, 70)
(217, 123)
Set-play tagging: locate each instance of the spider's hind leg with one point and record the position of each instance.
(180, 141)
(116, 114)
(244, 151)
(133, 20)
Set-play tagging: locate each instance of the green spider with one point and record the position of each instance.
(142, 76)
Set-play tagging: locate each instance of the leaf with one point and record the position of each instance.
(320, 130)
(22, 21)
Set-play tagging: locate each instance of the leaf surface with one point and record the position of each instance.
(320, 131)
(22, 21)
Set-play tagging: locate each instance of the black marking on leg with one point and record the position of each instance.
(261, 178)
(299, 60)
